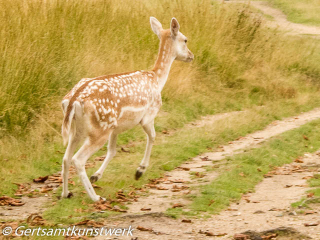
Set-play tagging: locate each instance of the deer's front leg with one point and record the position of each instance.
(151, 134)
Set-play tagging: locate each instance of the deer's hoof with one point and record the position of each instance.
(93, 178)
(138, 174)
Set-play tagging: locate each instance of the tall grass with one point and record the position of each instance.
(47, 46)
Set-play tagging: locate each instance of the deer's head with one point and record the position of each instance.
(173, 39)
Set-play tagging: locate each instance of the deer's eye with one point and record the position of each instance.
(186, 41)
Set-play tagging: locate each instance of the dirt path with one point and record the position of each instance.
(267, 208)
(280, 19)
(178, 182)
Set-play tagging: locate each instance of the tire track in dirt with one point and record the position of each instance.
(165, 194)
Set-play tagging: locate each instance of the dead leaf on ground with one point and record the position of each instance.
(178, 181)
(240, 236)
(102, 205)
(267, 175)
(184, 168)
(125, 150)
(307, 212)
(145, 209)
(35, 219)
(205, 158)
(118, 209)
(211, 234)
(41, 179)
(310, 195)
(241, 174)
(271, 236)
(100, 158)
(46, 189)
(8, 201)
(144, 229)
(305, 137)
(162, 188)
(311, 224)
(90, 223)
(176, 205)
(199, 175)
(298, 160)
(186, 221)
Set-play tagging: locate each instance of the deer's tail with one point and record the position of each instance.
(72, 112)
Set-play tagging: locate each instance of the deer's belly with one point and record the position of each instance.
(129, 117)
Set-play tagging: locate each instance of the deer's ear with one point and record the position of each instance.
(174, 27)
(156, 26)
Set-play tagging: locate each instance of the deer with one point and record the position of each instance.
(97, 109)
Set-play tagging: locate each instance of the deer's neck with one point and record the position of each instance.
(164, 62)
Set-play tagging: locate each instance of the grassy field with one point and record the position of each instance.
(300, 11)
(239, 64)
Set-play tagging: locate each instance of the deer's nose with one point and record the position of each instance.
(190, 57)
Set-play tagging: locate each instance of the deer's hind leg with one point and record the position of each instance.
(112, 144)
(89, 147)
(72, 145)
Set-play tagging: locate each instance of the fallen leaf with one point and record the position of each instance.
(186, 221)
(125, 150)
(310, 195)
(211, 234)
(8, 201)
(311, 224)
(41, 179)
(162, 188)
(267, 175)
(176, 205)
(307, 212)
(298, 160)
(178, 181)
(145, 209)
(100, 158)
(199, 175)
(35, 219)
(267, 237)
(205, 158)
(240, 236)
(144, 229)
(305, 137)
